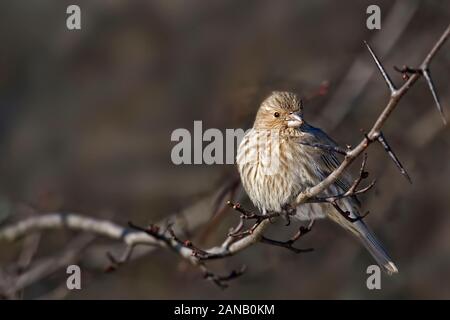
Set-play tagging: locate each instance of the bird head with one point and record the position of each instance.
(281, 110)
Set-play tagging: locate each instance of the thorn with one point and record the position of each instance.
(383, 72)
(390, 152)
(427, 76)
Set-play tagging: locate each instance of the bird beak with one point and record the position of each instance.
(294, 120)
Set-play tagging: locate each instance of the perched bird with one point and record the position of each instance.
(277, 160)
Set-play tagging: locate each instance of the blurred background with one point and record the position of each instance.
(86, 119)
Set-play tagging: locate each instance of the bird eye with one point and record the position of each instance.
(276, 114)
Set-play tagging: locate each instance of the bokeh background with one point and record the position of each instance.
(86, 118)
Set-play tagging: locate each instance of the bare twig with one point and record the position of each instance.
(222, 281)
(347, 215)
(289, 243)
(116, 262)
(30, 247)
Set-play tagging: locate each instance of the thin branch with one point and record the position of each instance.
(347, 215)
(30, 247)
(117, 262)
(222, 281)
(302, 231)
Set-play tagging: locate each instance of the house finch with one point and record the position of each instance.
(277, 160)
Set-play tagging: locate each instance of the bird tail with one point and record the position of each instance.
(376, 249)
(369, 240)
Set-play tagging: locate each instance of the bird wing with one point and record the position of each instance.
(328, 161)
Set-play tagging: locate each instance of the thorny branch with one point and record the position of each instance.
(238, 240)
(375, 131)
